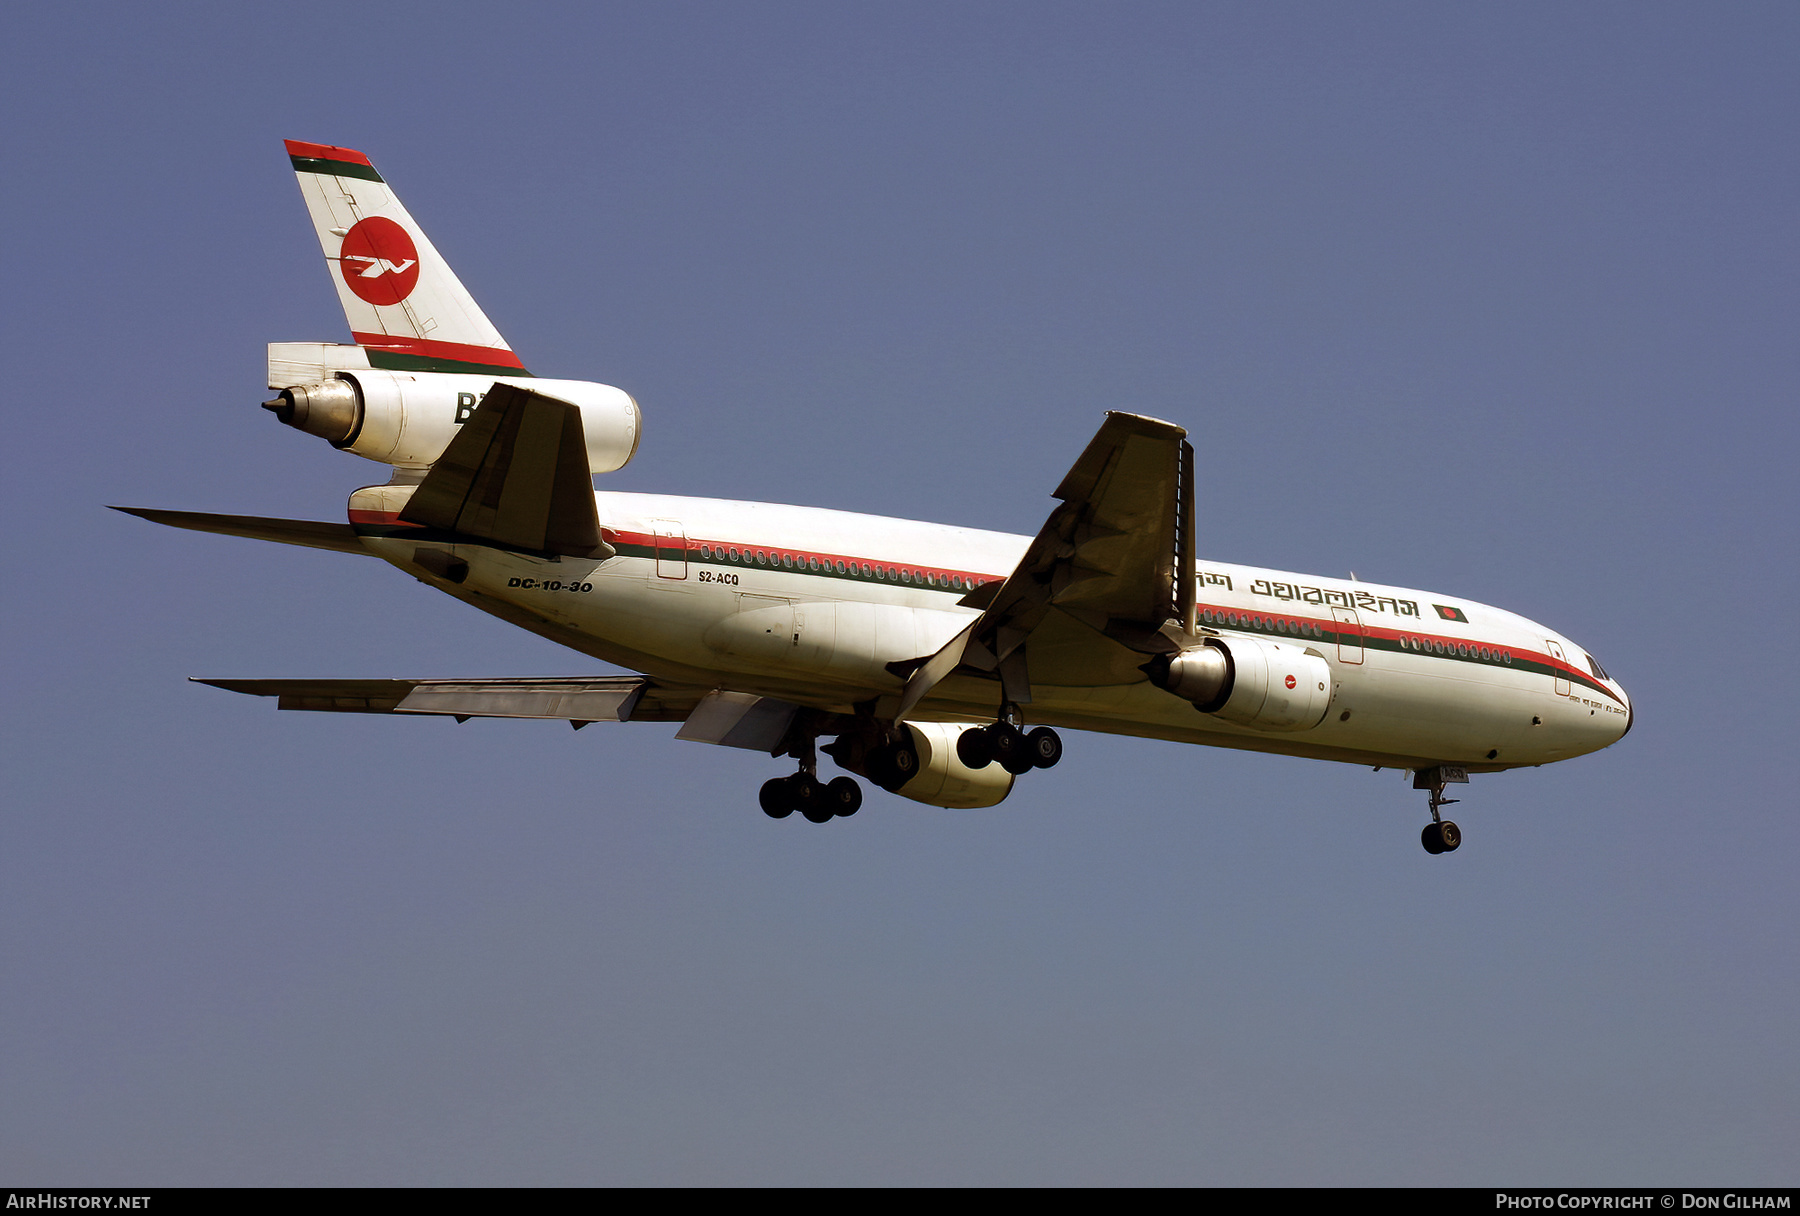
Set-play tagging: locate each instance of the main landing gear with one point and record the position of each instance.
(1017, 750)
(817, 801)
(1440, 835)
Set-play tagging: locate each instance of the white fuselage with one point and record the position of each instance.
(812, 605)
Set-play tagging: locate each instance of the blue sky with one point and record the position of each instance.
(1497, 300)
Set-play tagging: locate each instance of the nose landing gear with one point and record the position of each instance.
(1440, 835)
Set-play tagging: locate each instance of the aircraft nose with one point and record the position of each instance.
(1630, 711)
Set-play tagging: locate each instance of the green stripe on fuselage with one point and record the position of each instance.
(394, 361)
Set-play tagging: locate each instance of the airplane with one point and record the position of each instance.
(938, 661)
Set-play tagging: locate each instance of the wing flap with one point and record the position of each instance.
(585, 703)
(739, 719)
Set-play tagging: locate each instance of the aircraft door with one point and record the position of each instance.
(1563, 687)
(1350, 635)
(671, 549)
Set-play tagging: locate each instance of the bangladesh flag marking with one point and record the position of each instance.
(1451, 614)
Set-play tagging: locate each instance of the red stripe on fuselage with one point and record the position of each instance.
(827, 561)
(461, 352)
(381, 519)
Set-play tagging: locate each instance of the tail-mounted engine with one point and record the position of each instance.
(408, 418)
(1255, 683)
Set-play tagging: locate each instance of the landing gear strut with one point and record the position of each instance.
(817, 801)
(1440, 835)
(1017, 750)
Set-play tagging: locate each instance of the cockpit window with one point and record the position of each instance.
(1597, 669)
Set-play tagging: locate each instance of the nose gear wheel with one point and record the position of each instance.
(1440, 835)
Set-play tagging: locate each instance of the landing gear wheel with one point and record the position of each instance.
(844, 797)
(975, 747)
(777, 801)
(1044, 746)
(810, 796)
(903, 762)
(1008, 746)
(1441, 837)
(892, 765)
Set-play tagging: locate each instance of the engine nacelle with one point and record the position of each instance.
(409, 418)
(1256, 683)
(933, 774)
(943, 779)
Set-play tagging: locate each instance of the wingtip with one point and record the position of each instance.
(243, 686)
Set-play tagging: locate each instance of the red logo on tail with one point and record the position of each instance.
(379, 261)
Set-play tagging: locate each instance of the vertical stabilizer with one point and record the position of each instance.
(405, 306)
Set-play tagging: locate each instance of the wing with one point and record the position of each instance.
(731, 719)
(339, 538)
(576, 699)
(1111, 566)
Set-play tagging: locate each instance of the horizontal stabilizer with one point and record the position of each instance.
(339, 538)
(517, 474)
